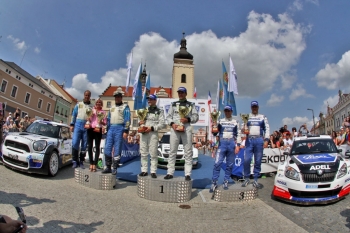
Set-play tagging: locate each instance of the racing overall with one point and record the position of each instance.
(228, 132)
(258, 130)
(79, 119)
(118, 122)
(173, 117)
(149, 141)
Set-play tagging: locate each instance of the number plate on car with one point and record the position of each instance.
(13, 156)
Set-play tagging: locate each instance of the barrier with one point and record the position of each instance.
(95, 180)
(175, 190)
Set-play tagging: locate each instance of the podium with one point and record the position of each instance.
(235, 193)
(95, 180)
(175, 190)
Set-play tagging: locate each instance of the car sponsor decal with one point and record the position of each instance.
(281, 182)
(316, 158)
(347, 180)
(317, 167)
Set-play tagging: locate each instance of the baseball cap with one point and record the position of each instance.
(10, 113)
(183, 89)
(341, 127)
(152, 97)
(254, 103)
(117, 93)
(26, 116)
(228, 107)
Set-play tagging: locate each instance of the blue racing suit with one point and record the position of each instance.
(79, 119)
(228, 132)
(259, 130)
(118, 122)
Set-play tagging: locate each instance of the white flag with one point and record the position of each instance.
(128, 74)
(136, 81)
(232, 79)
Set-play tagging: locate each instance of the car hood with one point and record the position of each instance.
(25, 137)
(310, 163)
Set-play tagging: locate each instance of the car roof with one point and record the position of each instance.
(51, 122)
(312, 137)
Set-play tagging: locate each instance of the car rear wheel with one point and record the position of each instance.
(53, 164)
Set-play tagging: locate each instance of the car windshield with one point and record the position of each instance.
(313, 146)
(45, 129)
(166, 139)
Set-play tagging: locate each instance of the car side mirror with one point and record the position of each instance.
(286, 153)
(347, 154)
(340, 150)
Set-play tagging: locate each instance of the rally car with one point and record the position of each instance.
(164, 150)
(43, 148)
(314, 172)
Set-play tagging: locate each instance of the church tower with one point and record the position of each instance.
(183, 71)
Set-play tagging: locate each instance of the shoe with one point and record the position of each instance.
(75, 164)
(107, 170)
(245, 183)
(93, 168)
(213, 186)
(143, 174)
(114, 171)
(90, 168)
(81, 165)
(188, 178)
(153, 175)
(225, 184)
(256, 184)
(168, 177)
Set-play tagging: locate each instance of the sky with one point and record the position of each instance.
(290, 56)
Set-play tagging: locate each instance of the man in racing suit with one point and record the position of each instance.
(259, 131)
(229, 136)
(79, 119)
(149, 139)
(118, 122)
(173, 118)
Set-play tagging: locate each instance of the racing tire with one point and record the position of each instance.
(53, 164)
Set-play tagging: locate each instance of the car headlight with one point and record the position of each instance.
(342, 171)
(291, 173)
(39, 145)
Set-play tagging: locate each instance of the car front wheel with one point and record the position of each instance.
(53, 164)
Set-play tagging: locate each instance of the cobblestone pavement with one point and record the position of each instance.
(59, 204)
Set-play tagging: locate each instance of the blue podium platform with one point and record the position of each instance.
(201, 175)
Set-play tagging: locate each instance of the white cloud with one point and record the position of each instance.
(268, 49)
(19, 45)
(275, 100)
(299, 92)
(288, 79)
(37, 50)
(331, 102)
(298, 121)
(334, 76)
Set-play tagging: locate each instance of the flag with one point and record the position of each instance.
(232, 84)
(155, 92)
(228, 97)
(128, 74)
(137, 77)
(146, 91)
(137, 92)
(171, 91)
(195, 93)
(210, 123)
(209, 99)
(219, 97)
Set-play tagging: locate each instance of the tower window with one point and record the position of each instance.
(183, 78)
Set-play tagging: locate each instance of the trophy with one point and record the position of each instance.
(142, 114)
(214, 118)
(245, 118)
(100, 115)
(183, 112)
(88, 114)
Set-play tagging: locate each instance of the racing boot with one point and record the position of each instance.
(213, 186)
(82, 159)
(257, 185)
(115, 164)
(245, 183)
(108, 165)
(225, 184)
(75, 158)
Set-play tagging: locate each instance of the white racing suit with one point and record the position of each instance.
(118, 122)
(149, 141)
(258, 131)
(79, 119)
(173, 117)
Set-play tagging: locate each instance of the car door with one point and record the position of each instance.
(65, 147)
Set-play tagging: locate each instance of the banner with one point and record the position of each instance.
(201, 107)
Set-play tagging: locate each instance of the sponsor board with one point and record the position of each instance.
(281, 182)
(317, 167)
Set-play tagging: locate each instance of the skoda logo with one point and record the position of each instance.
(319, 172)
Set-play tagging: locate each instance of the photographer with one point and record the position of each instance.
(8, 225)
(303, 130)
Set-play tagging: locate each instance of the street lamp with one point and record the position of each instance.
(313, 118)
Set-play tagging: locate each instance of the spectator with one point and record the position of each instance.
(17, 121)
(287, 141)
(243, 137)
(343, 136)
(8, 119)
(272, 142)
(280, 143)
(303, 129)
(346, 122)
(16, 114)
(294, 132)
(335, 138)
(24, 123)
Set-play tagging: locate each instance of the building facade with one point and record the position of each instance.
(329, 122)
(341, 110)
(19, 89)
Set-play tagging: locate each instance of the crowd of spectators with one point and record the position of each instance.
(342, 137)
(14, 122)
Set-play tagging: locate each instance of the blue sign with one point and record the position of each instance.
(316, 158)
(129, 152)
(237, 169)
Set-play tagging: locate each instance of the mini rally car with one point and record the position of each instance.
(43, 148)
(164, 150)
(313, 173)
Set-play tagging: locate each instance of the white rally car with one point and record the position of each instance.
(43, 148)
(164, 150)
(314, 172)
